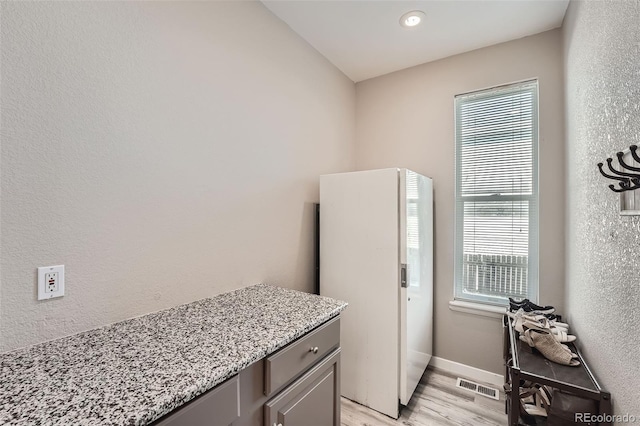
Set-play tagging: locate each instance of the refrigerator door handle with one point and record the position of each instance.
(403, 275)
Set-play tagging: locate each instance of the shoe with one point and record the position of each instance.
(536, 400)
(562, 336)
(529, 306)
(523, 322)
(554, 320)
(553, 317)
(549, 347)
(533, 350)
(525, 417)
(566, 348)
(520, 317)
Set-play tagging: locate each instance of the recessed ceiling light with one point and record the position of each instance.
(411, 19)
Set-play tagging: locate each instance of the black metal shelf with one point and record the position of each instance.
(521, 364)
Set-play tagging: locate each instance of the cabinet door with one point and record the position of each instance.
(312, 399)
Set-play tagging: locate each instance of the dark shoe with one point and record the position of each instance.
(528, 306)
(552, 317)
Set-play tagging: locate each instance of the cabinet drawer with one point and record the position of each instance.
(312, 399)
(218, 407)
(286, 364)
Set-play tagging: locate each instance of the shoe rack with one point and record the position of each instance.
(521, 364)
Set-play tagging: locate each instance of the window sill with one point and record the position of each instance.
(477, 309)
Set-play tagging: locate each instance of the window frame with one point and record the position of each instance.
(533, 200)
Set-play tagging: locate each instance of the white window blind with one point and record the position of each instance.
(496, 254)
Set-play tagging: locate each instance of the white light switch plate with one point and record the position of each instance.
(50, 282)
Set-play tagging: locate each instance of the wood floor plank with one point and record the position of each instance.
(354, 414)
(471, 407)
(436, 402)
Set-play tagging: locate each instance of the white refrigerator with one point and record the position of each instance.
(376, 253)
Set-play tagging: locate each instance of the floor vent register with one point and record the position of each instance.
(479, 389)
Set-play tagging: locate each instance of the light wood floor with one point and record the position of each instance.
(436, 401)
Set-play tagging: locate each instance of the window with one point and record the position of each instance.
(496, 252)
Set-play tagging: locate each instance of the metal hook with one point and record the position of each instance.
(610, 176)
(635, 156)
(624, 188)
(625, 165)
(626, 181)
(617, 172)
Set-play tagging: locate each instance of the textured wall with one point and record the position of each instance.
(405, 119)
(162, 151)
(602, 71)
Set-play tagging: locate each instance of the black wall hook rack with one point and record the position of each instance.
(626, 181)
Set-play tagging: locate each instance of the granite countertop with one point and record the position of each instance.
(135, 371)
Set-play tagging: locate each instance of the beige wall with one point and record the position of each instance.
(162, 152)
(405, 119)
(602, 69)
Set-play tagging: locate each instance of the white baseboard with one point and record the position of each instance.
(468, 372)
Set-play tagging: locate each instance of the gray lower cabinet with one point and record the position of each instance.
(312, 399)
(299, 385)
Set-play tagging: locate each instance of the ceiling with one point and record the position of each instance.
(364, 39)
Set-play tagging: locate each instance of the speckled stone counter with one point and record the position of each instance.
(135, 371)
